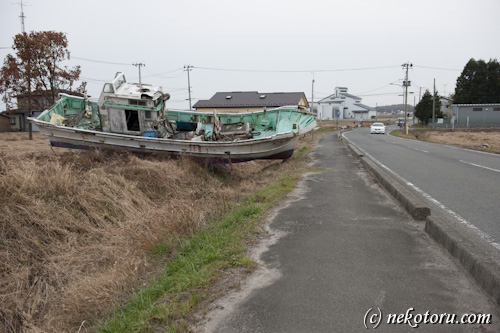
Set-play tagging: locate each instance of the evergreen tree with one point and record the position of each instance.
(479, 83)
(423, 110)
(494, 81)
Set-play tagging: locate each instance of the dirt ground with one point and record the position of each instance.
(18, 143)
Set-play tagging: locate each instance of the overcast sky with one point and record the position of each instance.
(267, 45)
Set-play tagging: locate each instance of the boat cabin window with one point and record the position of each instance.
(136, 102)
(119, 82)
(147, 115)
(108, 88)
(132, 118)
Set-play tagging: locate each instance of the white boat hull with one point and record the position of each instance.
(278, 146)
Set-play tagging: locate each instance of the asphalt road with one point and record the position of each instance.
(342, 251)
(458, 182)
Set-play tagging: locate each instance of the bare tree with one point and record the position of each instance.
(35, 70)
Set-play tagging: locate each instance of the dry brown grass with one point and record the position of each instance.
(76, 225)
(349, 123)
(469, 138)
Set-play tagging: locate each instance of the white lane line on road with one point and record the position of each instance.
(463, 221)
(424, 151)
(480, 166)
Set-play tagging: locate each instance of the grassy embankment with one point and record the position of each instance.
(115, 243)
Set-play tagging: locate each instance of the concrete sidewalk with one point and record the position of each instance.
(345, 247)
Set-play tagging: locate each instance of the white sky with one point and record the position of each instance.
(337, 40)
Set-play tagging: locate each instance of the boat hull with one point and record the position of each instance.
(278, 146)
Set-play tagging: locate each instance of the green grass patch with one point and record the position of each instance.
(400, 134)
(324, 130)
(397, 133)
(168, 300)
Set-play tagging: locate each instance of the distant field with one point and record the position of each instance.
(18, 143)
(478, 139)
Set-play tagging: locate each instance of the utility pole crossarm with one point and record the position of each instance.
(188, 68)
(140, 64)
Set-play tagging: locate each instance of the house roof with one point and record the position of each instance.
(251, 98)
(364, 106)
(333, 98)
(350, 96)
(329, 99)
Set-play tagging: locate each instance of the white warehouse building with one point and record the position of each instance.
(344, 106)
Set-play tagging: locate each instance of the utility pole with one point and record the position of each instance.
(22, 16)
(188, 68)
(434, 105)
(140, 64)
(30, 101)
(312, 95)
(406, 84)
(414, 105)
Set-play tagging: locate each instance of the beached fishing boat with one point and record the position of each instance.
(134, 117)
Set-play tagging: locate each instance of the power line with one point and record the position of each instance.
(381, 94)
(439, 68)
(104, 62)
(90, 79)
(164, 77)
(160, 75)
(266, 71)
(293, 71)
(364, 92)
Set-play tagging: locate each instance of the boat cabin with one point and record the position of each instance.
(130, 108)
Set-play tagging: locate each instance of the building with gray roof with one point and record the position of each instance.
(238, 101)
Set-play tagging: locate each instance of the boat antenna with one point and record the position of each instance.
(140, 64)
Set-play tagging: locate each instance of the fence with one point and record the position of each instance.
(468, 123)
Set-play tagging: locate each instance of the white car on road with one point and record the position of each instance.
(377, 128)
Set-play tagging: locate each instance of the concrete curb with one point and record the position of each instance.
(416, 208)
(473, 253)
